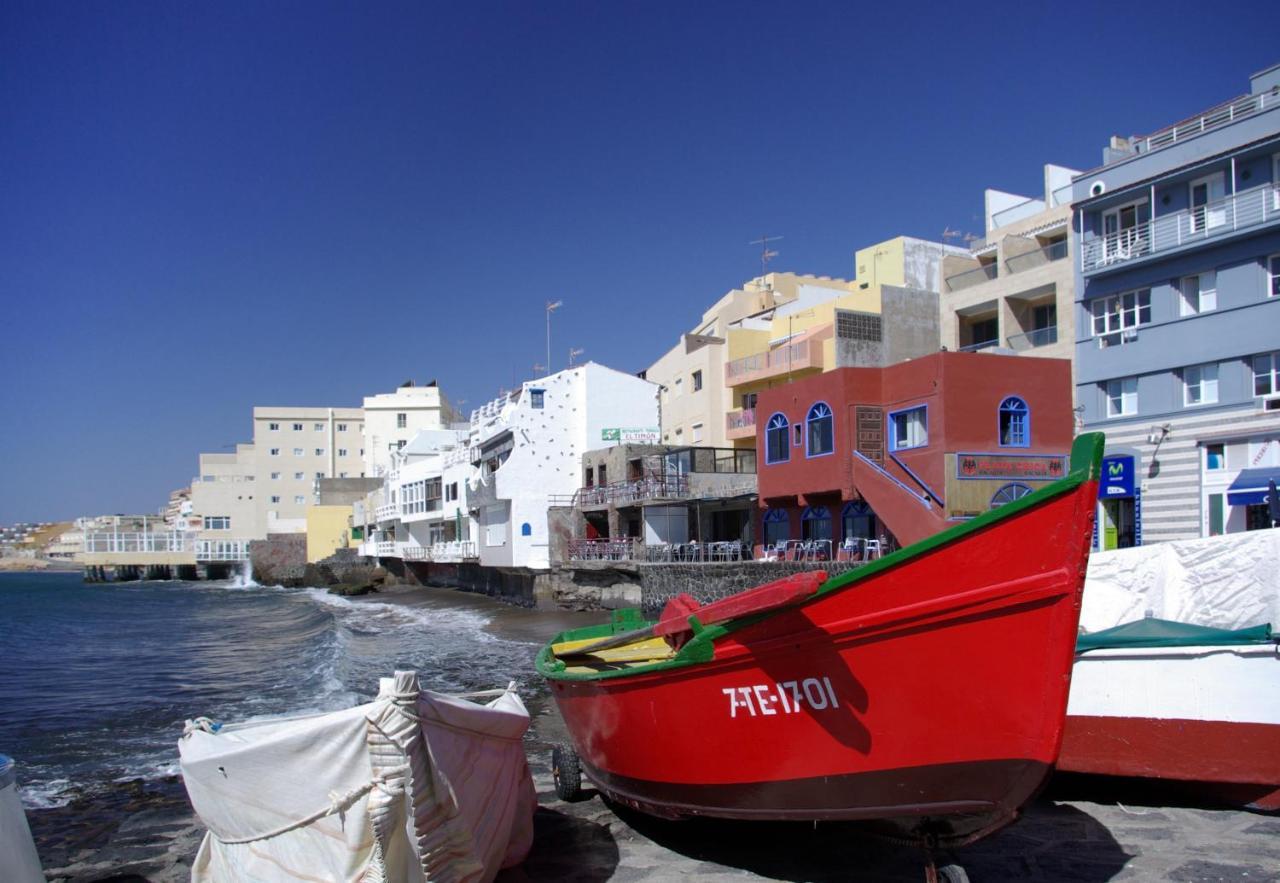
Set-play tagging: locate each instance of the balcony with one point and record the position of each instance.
(1035, 338)
(1213, 118)
(387, 512)
(1246, 210)
(791, 358)
(222, 550)
(622, 493)
(740, 423)
(970, 278)
(1053, 252)
(386, 549)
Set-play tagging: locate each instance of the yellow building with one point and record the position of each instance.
(887, 314)
(328, 529)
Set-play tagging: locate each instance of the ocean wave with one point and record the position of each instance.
(47, 795)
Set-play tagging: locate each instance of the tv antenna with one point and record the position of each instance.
(766, 254)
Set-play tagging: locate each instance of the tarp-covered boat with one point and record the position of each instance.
(412, 786)
(928, 687)
(1179, 702)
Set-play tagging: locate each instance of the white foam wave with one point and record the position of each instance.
(46, 795)
(380, 614)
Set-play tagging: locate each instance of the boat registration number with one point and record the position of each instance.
(783, 697)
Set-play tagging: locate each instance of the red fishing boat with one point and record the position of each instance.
(927, 688)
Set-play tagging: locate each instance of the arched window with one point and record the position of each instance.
(1015, 423)
(1008, 494)
(777, 526)
(858, 521)
(775, 440)
(815, 523)
(821, 430)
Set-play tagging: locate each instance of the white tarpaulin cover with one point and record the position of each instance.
(1228, 582)
(413, 786)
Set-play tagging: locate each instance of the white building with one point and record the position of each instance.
(392, 419)
(526, 447)
(421, 511)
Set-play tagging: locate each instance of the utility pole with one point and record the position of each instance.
(551, 307)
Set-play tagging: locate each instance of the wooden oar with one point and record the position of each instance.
(675, 616)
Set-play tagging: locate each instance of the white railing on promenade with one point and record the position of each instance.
(1240, 211)
(117, 542)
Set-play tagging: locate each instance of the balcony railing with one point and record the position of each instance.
(1053, 252)
(387, 512)
(979, 345)
(1017, 212)
(741, 423)
(1034, 338)
(113, 542)
(386, 549)
(970, 278)
(222, 550)
(454, 550)
(634, 549)
(791, 357)
(1240, 211)
(656, 487)
(1213, 118)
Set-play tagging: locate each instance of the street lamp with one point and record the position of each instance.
(551, 307)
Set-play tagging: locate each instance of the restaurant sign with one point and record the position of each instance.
(979, 466)
(631, 436)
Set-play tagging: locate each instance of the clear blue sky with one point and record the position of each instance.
(209, 206)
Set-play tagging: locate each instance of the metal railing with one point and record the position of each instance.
(634, 549)
(1213, 118)
(979, 345)
(1034, 338)
(970, 278)
(740, 420)
(117, 542)
(1061, 196)
(454, 550)
(222, 550)
(1055, 251)
(789, 357)
(1240, 211)
(674, 486)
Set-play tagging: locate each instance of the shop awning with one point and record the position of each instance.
(1250, 487)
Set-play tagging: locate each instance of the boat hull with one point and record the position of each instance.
(929, 688)
(1206, 716)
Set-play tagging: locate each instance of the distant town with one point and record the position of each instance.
(806, 417)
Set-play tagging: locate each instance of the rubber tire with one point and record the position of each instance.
(952, 874)
(566, 770)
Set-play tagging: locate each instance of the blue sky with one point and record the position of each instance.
(207, 207)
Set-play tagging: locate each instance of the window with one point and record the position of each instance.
(679, 387)
(342, 427)
(1215, 457)
(318, 427)
(319, 475)
(217, 522)
(821, 431)
(696, 433)
(1116, 318)
(749, 400)
(1199, 293)
(1200, 385)
(342, 452)
(697, 380)
(319, 452)
(815, 523)
(297, 476)
(1008, 494)
(275, 476)
(274, 427)
(1015, 423)
(858, 521)
(402, 420)
(1122, 397)
(342, 475)
(1216, 513)
(591, 476)
(1273, 267)
(775, 440)
(299, 499)
(297, 427)
(537, 398)
(777, 526)
(275, 452)
(1266, 374)
(297, 452)
(909, 429)
(400, 444)
(797, 435)
(1207, 194)
(275, 499)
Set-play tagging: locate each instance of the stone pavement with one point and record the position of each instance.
(1058, 839)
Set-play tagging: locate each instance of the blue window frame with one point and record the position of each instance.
(1015, 423)
(1009, 493)
(909, 428)
(777, 526)
(776, 448)
(537, 398)
(820, 429)
(815, 523)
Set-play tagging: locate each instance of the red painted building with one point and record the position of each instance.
(900, 453)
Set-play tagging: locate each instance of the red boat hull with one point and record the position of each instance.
(936, 687)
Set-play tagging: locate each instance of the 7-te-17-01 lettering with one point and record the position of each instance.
(783, 697)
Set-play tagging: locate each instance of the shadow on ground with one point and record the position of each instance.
(568, 848)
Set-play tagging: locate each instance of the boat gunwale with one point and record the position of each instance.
(1085, 465)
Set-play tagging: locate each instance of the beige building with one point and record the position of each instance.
(391, 419)
(1015, 288)
(691, 377)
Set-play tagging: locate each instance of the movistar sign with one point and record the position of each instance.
(1117, 477)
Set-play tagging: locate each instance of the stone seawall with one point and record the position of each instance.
(659, 583)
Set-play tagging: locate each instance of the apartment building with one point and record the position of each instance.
(422, 512)
(1176, 251)
(691, 377)
(526, 448)
(392, 419)
(887, 314)
(1015, 289)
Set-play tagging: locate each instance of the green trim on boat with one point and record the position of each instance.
(1167, 633)
(1085, 464)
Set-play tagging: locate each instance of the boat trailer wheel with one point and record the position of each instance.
(945, 874)
(566, 769)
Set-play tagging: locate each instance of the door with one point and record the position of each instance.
(1123, 235)
(1208, 209)
(1118, 524)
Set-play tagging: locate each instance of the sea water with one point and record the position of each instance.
(97, 679)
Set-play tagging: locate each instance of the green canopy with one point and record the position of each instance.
(1166, 633)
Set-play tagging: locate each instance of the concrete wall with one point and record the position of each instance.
(328, 529)
(344, 491)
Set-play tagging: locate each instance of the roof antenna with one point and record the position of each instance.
(766, 254)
